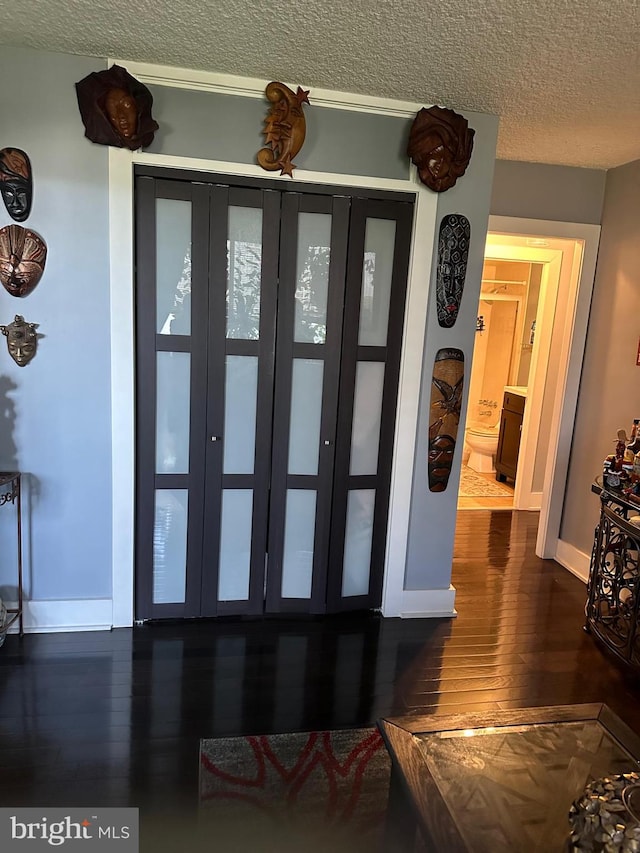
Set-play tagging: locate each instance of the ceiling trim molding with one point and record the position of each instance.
(252, 87)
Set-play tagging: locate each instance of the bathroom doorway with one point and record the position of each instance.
(502, 357)
(568, 253)
(525, 380)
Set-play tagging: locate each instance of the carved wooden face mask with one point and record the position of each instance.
(440, 145)
(444, 415)
(16, 183)
(122, 112)
(22, 340)
(453, 253)
(23, 254)
(116, 109)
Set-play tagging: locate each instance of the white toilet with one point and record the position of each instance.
(483, 442)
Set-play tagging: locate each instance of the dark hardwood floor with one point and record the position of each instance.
(115, 718)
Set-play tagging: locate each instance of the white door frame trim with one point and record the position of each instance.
(551, 259)
(522, 493)
(570, 367)
(253, 87)
(121, 236)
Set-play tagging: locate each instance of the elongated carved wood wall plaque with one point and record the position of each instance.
(116, 109)
(16, 183)
(453, 254)
(440, 145)
(447, 383)
(23, 254)
(285, 128)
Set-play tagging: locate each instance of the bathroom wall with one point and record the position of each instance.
(493, 348)
(481, 343)
(491, 369)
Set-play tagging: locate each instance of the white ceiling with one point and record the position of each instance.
(563, 75)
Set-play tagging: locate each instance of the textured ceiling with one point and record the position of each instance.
(563, 75)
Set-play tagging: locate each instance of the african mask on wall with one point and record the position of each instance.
(16, 183)
(284, 128)
(22, 340)
(23, 254)
(116, 109)
(447, 383)
(453, 254)
(440, 145)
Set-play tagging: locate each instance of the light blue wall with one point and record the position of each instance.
(55, 412)
(541, 191)
(608, 399)
(433, 514)
(210, 125)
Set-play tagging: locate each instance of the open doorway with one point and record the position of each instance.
(558, 261)
(501, 371)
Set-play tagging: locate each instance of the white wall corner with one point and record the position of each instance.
(50, 617)
(428, 603)
(575, 561)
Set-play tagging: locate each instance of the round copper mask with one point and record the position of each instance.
(23, 254)
(16, 183)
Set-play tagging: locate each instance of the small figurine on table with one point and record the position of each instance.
(621, 446)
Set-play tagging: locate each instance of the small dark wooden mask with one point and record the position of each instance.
(16, 183)
(23, 254)
(22, 340)
(440, 145)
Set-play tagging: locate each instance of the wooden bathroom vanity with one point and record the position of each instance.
(513, 403)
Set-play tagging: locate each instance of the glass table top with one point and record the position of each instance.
(510, 787)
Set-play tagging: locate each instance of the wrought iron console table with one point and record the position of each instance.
(10, 493)
(613, 597)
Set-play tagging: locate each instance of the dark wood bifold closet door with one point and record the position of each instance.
(268, 333)
(243, 279)
(313, 255)
(172, 237)
(207, 286)
(378, 263)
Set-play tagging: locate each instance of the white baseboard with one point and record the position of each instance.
(532, 504)
(48, 617)
(577, 562)
(428, 603)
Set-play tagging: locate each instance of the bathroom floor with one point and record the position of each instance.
(483, 491)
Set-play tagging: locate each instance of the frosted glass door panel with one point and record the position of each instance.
(312, 280)
(244, 272)
(306, 411)
(241, 388)
(357, 545)
(170, 546)
(377, 270)
(367, 409)
(299, 536)
(173, 267)
(173, 393)
(235, 544)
